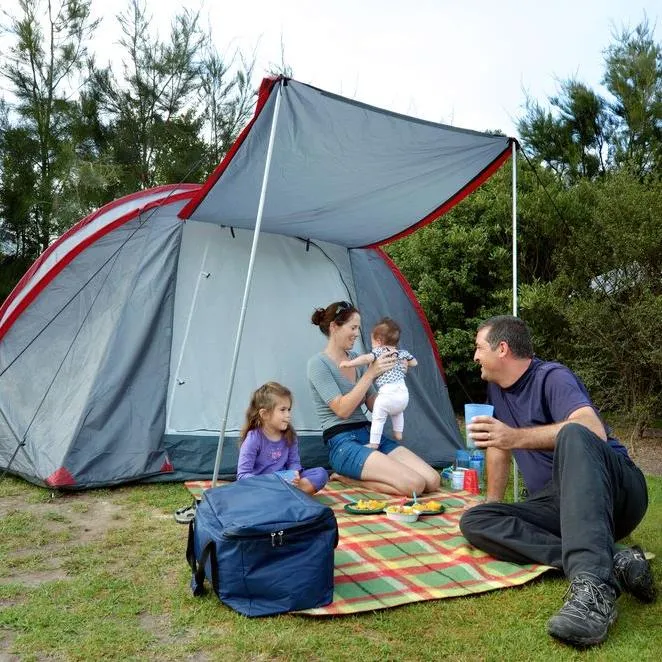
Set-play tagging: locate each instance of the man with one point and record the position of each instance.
(584, 491)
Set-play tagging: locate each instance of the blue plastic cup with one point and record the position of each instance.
(471, 410)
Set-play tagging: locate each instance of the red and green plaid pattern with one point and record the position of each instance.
(382, 563)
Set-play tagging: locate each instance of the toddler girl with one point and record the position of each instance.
(268, 442)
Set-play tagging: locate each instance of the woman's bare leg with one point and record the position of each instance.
(367, 485)
(404, 456)
(386, 469)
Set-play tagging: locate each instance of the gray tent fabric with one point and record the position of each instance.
(429, 417)
(342, 171)
(84, 368)
(115, 346)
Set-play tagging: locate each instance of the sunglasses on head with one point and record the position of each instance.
(342, 307)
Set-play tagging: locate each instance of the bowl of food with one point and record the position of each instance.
(401, 513)
(427, 507)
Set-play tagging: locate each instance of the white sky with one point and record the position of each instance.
(461, 62)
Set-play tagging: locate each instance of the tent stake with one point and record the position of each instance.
(247, 288)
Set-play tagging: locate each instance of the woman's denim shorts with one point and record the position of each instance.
(348, 452)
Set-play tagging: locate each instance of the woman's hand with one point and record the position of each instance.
(382, 364)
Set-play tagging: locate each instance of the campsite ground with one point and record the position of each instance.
(647, 452)
(102, 575)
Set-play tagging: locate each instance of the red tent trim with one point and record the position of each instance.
(265, 90)
(60, 478)
(417, 306)
(80, 247)
(470, 187)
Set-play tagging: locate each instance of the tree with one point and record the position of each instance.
(574, 140)
(42, 68)
(634, 78)
(228, 99)
(150, 111)
(585, 135)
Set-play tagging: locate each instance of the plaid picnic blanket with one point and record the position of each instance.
(381, 563)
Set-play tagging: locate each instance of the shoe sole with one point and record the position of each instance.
(581, 642)
(185, 515)
(643, 587)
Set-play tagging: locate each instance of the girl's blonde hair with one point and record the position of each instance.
(266, 398)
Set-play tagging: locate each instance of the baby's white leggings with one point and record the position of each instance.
(391, 400)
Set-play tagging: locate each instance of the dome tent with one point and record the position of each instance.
(115, 347)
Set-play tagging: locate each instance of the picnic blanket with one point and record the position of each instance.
(381, 563)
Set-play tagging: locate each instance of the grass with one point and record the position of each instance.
(102, 575)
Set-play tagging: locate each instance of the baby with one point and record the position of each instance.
(393, 395)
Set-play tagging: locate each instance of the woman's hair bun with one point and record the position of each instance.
(317, 316)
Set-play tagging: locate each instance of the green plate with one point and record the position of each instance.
(357, 511)
(424, 513)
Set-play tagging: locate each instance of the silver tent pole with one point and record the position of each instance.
(187, 329)
(249, 277)
(514, 161)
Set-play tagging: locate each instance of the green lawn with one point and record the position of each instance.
(102, 575)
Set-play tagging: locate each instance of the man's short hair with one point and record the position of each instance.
(511, 330)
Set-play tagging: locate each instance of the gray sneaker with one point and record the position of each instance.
(633, 574)
(585, 617)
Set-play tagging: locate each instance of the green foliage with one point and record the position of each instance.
(74, 136)
(584, 135)
(46, 58)
(634, 78)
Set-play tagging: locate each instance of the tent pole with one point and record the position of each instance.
(247, 288)
(514, 161)
(201, 275)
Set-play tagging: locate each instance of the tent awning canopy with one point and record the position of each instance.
(343, 171)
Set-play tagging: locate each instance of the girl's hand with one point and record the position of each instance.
(297, 479)
(344, 364)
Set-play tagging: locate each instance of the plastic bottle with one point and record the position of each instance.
(462, 459)
(477, 462)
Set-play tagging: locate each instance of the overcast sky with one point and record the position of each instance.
(468, 63)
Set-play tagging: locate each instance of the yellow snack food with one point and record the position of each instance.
(368, 504)
(427, 507)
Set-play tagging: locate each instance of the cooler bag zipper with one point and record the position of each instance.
(276, 537)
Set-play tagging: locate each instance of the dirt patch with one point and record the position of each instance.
(82, 514)
(6, 639)
(647, 453)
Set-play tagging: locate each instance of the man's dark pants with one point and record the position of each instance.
(596, 496)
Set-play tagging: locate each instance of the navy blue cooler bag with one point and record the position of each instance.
(265, 546)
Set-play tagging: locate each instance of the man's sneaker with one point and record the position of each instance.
(585, 617)
(633, 574)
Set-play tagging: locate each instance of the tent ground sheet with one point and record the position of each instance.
(381, 563)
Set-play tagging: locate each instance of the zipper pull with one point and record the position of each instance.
(280, 538)
(273, 539)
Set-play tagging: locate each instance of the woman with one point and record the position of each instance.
(338, 394)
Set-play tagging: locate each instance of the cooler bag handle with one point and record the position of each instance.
(198, 566)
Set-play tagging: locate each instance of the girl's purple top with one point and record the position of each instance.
(259, 455)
